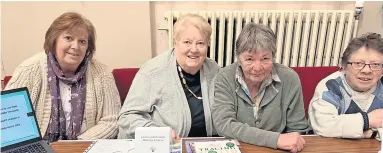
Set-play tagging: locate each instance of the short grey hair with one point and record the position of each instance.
(371, 41)
(255, 37)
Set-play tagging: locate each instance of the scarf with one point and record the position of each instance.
(57, 124)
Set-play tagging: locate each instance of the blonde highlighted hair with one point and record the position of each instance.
(194, 20)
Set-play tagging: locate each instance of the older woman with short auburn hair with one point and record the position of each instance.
(175, 89)
(74, 95)
(349, 102)
(258, 101)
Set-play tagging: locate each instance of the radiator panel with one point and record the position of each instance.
(304, 38)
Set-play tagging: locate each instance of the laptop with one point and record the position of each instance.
(20, 132)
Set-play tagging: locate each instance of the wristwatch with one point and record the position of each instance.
(374, 133)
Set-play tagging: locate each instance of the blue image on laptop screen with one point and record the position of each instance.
(18, 123)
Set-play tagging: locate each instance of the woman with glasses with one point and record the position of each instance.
(256, 100)
(349, 102)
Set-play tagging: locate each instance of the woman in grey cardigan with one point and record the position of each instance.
(175, 88)
(256, 99)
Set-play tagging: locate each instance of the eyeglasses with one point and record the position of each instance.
(361, 65)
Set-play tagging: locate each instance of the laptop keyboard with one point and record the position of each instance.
(34, 148)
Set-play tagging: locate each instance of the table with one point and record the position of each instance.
(314, 144)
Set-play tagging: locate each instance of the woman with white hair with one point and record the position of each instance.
(175, 88)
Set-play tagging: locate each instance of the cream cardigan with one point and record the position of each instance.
(102, 98)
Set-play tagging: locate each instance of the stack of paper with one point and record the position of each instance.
(176, 146)
(111, 146)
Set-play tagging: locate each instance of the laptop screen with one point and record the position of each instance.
(18, 122)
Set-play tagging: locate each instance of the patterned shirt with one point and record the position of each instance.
(258, 98)
(65, 93)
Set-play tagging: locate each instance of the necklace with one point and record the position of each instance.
(184, 82)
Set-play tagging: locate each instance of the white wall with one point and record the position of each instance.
(127, 32)
(371, 18)
(123, 30)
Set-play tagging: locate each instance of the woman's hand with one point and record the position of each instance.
(375, 118)
(174, 135)
(292, 142)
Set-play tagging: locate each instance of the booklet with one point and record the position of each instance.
(212, 146)
(152, 139)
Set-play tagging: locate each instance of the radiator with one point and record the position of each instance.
(305, 38)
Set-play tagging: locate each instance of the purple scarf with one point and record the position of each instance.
(57, 123)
